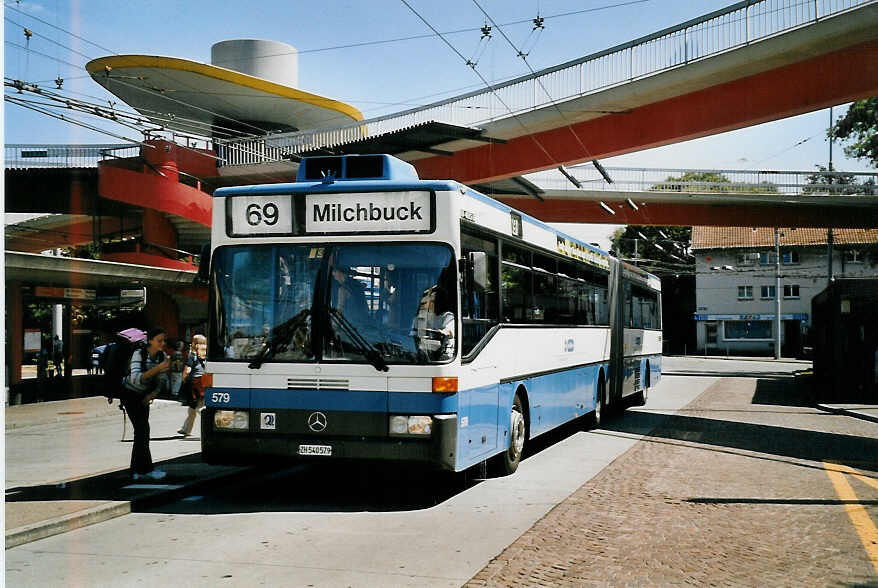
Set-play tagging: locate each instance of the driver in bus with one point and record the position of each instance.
(434, 324)
(347, 295)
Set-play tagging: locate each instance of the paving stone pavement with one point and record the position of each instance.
(731, 490)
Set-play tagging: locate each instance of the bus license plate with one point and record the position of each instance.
(315, 449)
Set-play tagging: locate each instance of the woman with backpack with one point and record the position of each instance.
(191, 391)
(148, 371)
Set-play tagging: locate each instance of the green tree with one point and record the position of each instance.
(859, 127)
(669, 245)
(824, 182)
(710, 182)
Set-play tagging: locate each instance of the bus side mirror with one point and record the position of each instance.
(204, 264)
(478, 263)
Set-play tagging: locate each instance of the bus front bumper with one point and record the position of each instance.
(250, 447)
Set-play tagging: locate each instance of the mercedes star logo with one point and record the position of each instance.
(317, 422)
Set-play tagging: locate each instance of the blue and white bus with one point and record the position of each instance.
(361, 312)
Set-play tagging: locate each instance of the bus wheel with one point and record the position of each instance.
(507, 462)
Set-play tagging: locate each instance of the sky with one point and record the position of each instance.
(376, 78)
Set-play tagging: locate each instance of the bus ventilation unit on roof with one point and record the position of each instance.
(355, 167)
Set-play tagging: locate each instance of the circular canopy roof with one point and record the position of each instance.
(186, 95)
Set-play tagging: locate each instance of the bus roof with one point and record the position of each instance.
(377, 173)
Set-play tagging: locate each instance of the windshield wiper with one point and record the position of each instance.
(280, 337)
(360, 342)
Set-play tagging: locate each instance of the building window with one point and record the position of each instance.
(710, 333)
(853, 256)
(745, 292)
(747, 258)
(791, 291)
(767, 258)
(767, 292)
(746, 330)
(790, 257)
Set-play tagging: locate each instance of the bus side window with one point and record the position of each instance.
(478, 309)
(517, 305)
(545, 290)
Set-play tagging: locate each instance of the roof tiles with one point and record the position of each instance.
(741, 237)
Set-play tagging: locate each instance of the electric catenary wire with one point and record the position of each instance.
(101, 47)
(538, 23)
(484, 81)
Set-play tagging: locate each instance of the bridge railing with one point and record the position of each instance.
(19, 155)
(642, 179)
(729, 28)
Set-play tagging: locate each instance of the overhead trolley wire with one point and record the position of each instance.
(240, 122)
(72, 120)
(436, 33)
(536, 78)
(108, 112)
(47, 56)
(54, 42)
(484, 81)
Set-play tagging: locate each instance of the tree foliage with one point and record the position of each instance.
(664, 244)
(711, 182)
(825, 182)
(670, 245)
(859, 128)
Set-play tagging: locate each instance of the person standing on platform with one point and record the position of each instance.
(176, 372)
(192, 382)
(58, 356)
(148, 372)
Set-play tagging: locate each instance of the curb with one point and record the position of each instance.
(846, 412)
(69, 522)
(745, 358)
(110, 510)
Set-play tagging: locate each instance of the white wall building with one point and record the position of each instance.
(735, 283)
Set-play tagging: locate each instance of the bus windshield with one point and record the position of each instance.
(354, 302)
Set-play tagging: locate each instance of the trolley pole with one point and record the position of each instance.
(777, 321)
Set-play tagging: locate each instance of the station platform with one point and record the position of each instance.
(67, 465)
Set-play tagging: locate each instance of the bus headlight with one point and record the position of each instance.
(411, 425)
(231, 419)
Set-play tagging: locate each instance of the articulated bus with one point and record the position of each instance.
(363, 313)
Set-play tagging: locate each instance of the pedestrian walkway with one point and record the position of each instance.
(747, 485)
(67, 465)
(748, 358)
(867, 412)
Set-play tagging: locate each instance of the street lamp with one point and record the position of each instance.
(777, 320)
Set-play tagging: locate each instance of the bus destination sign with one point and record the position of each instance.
(261, 215)
(378, 212)
(369, 212)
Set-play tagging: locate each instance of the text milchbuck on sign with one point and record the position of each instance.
(368, 211)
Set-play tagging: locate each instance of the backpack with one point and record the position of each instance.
(115, 363)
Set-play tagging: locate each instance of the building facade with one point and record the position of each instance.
(736, 283)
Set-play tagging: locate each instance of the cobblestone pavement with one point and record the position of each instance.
(730, 490)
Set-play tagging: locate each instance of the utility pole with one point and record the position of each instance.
(777, 321)
(829, 235)
(829, 240)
